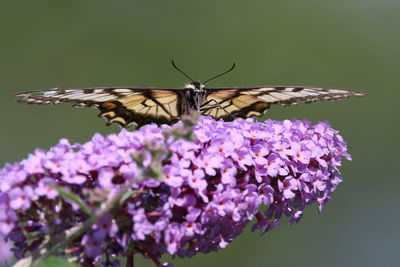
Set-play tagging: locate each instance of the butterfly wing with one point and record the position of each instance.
(246, 102)
(123, 105)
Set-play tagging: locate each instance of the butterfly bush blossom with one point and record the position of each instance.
(189, 196)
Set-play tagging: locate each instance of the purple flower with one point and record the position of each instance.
(209, 162)
(300, 153)
(44, 188)
(188, 196)
(265, 194)
(172, 177)
(259, 153)
(20, 197)
(196, 180)
(8, 217)
(228, 173)
(243, 159)
(275, 165)
(73, 178)
(33, 164)
(93, 247)
(5, 252)
(287, 187)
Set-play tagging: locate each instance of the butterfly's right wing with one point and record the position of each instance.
(247, 102)
(123, 105)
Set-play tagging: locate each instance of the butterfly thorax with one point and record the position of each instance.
(194, 94)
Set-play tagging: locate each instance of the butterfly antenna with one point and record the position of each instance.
(233, 66)
(187, 76)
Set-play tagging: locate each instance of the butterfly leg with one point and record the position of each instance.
(215, 105)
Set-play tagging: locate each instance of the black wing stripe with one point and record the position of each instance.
(158, 104)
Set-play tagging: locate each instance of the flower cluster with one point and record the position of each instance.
(189, 195)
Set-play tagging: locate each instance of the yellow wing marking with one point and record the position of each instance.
(161, 104)
(227, 103)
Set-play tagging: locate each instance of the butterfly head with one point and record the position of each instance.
(198, 87)
(195, 86)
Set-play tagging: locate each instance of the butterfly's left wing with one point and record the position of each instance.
(123, 105)
(246, 102)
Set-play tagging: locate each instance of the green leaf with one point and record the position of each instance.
(71, 196)
(127, 195)
(54, 261)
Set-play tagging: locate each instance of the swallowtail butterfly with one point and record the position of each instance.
(138, 106)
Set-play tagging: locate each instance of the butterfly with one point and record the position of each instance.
(139, 106)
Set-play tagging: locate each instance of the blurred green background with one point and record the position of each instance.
(353, 44)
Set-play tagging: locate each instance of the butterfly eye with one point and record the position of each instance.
(197, 85)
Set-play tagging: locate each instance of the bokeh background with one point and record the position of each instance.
(352, 44)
